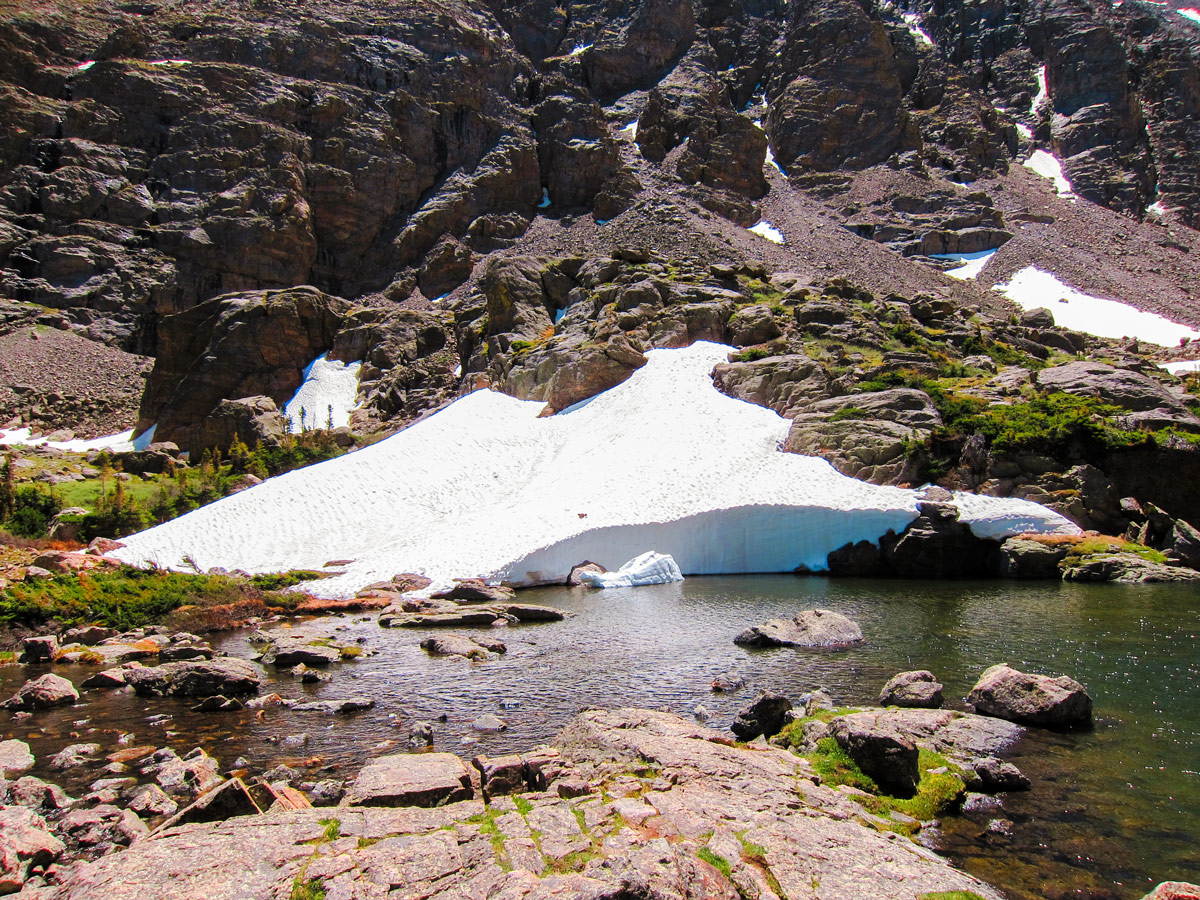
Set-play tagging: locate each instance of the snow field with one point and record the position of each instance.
(328, 393)
(1048, 166)
(973, 263)
(485, 487)
(765, 229)
(1030, 288)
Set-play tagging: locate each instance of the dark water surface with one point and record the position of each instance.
(1113, 810)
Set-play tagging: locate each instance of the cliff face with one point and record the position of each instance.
(406, 157)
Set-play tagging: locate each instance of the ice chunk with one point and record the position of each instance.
(973, 263)
(326, 397)
(1048, 166)
(651, 567)
(1031, 287)
(765, 229)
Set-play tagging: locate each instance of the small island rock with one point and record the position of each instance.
(810, 628)
(1005, 693)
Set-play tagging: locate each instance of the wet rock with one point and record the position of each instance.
(284, 652)
(326, 793)
(336, 707)
(937, 545)
(109, 678)
(97, 830)
(197, 678)
(529, 612)
(420, 735)
(919, 689)
(39, 649)
(489, 723)
(25, 843)
(810, 628)
(454, 645)
(426, 779)
(573, 578)
(40, 796)
(43, 693)
(992, 775)
(476, 590)
(1025, 558)
(309, 676)
(14, 758)
(881, 751)
(727, 682)
(73, 756)
(189, 776)
(151, 800)
(1031, 699)
(1126, 568)
(764, 716)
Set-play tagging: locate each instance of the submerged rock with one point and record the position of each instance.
(810, 628)
(1004, 692)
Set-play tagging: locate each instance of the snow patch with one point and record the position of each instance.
(772, 162)
(545, 198)
(486, 487)
(24, 437)
(327, 395)
(765, 229)
(1043, 93)
(973, 263)
(913, 21)
(649, 568)
(1181, 366)
(558, 315)
(1031, 287)
(84, 66)
(458, 371)
(1190, 14)
(632, 128)
(1025, 131)
(1049, 166)
(580, 48)
(1156, 209)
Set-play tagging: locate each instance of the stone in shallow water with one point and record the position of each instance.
(14, 757)
(1031, 699)
(915, 690)
(43, 693)
(410, 779)
(810, 628)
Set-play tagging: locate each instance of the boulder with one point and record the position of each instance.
(454, 645)
(1027, 558)
(476, 590)
(74, 755)
(284, 652)
(1030, 699)
(992, 775)
(1174, 890)
(937, 545)
(501, 774)
(25, 843)
(14, 758)
(404, 779)
(574, 579)
(251, 420)
(151, 800)
(915, 690)
(39, 649)
(197, 678)
(764, 716)
(884, 754)
(43, 693)
(1120, 387)
(810, 628)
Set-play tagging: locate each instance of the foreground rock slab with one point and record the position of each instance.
(624, 809)
(407, 779)
(1004, 692)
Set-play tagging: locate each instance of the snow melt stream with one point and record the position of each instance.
(485, 487)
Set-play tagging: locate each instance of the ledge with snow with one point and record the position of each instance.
(663, 461)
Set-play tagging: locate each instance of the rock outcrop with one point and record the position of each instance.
(594, 825)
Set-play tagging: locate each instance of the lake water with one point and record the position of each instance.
(1112, 811)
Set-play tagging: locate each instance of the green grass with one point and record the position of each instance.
(277, 581)
(720, 863)
(937, 793)
(127, 597)
(950, 895)
(750, 355)
(7, 657)
(307, 889)
(524, 807)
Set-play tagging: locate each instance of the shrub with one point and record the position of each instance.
(33, 508)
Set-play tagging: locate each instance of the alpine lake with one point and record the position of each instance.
(1113, 810)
